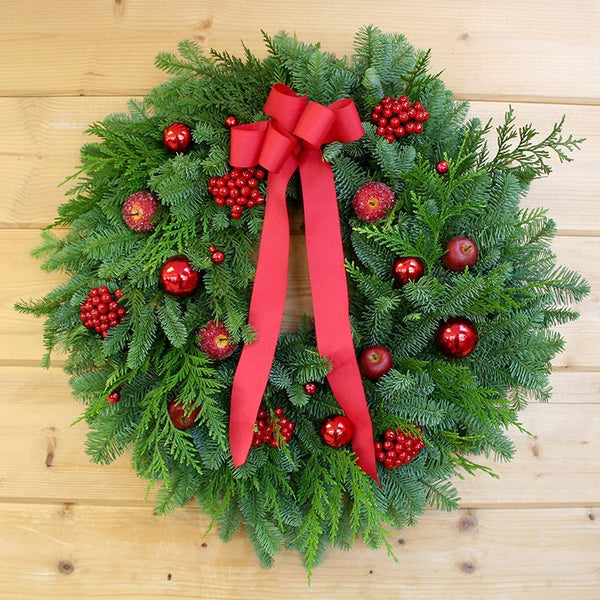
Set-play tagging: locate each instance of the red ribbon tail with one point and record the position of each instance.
(330, 301)
(265, 315)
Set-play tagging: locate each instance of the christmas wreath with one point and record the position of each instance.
(434, 294)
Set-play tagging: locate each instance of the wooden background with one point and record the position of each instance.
(69, 529)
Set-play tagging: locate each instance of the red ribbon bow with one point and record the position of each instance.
(293, 138)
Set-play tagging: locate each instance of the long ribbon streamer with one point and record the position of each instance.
(292, 139)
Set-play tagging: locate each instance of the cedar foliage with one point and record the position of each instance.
(307, 496)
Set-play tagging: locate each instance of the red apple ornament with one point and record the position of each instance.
(375, 362)
(461, 252)
(181, 418)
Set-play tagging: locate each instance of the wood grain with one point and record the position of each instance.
(42, 454)
(508, 50)
(69, 551)
(43, 136)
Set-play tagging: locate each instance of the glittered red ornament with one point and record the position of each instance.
(337, 431)
(457, 337)
(139, 210)
(442, 167)
(178, 278)
(407, 269)
(177, 138)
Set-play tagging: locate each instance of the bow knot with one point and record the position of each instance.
(293, 138)
(295, 123)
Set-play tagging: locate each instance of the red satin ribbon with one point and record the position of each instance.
(293, 138)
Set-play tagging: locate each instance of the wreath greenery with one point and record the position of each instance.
(304, 494)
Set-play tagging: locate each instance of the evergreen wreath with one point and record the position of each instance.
(468, 325)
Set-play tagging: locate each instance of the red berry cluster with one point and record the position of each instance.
(101, 311)
(267, 428)
(237, 189)
(398, 448)
(397, 117)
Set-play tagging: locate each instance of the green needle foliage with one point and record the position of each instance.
(305, 495)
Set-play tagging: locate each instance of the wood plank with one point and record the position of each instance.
(86, 552)
(42, 456)
(43, 136)
(20, 335)
(67, 48)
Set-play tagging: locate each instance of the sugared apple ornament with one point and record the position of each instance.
(461, 252)
(375, 362)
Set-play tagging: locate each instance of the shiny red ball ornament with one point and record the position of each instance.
(178, 278)
(407, 269)
(177, 138)
(310, 388)
(457, 337)
(337, 431)
(442, 167)
(231, 122)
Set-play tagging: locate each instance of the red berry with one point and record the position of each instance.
(418, 127)
(442, 167)
(410, 127)
(377, 108)
(310, 387)
(118, 294)
(231, 122)
(217, 257)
